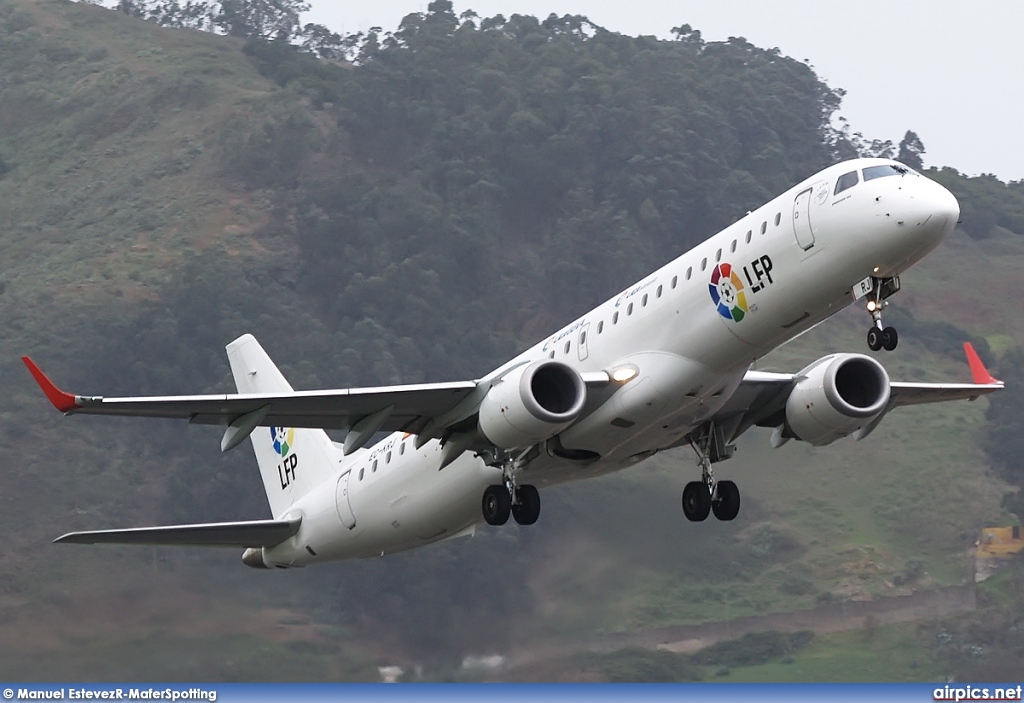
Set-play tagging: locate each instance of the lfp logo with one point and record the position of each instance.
(283, 439)
(726, 290)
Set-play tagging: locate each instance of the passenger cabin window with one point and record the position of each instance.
(658, 292)
(374, 469)
(567, 347)
(361, 474)
(689, 272)
(676, 278)
(704, 264)
(643, 301)
(873, 172)
(732, 248)
(600, 327)
(749, 232)
(629, 309)
(778, 218)
(401, 448)
(764, 227)
(847, 180)
(718, 256)
(615, 317)
(387, 459)
(583, 337)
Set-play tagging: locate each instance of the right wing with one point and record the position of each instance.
(252, 533)
(761, 397)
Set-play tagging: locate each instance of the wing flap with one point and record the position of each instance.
(252, 533)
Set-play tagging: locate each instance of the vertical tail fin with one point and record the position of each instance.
(292, 460)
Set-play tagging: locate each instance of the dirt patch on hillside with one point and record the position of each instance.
(824, 619)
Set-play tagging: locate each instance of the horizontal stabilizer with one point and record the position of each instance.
(252, 533)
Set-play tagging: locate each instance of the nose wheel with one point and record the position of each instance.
(885, 338)
(880, 336)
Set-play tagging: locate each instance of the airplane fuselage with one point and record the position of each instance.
(691, 330)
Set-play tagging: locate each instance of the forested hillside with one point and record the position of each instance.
(433, 199)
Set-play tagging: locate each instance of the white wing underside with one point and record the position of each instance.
(759, 399)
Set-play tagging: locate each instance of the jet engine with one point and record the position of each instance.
(532, 403)
(835, 396)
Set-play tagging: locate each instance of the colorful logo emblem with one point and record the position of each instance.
(283, 439)
(726, 290)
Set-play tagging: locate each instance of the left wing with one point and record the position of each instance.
(761, 397)
(324, 409)
(426, 410)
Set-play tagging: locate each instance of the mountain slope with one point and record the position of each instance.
(420, 216)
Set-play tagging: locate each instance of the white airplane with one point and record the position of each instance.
(662, 364)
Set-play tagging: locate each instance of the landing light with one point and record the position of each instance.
(624, 373)
(872, 306)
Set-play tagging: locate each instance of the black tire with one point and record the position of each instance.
(528, 509)
(496, 505)
(726, 504)
(696, 501)
(874, 339)
(889, 338)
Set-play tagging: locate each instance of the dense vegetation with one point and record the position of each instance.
(450, 193)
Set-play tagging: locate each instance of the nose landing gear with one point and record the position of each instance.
(877, 291)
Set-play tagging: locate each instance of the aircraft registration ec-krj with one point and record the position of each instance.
(665, 363)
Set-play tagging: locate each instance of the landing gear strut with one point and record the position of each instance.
(499, 501)
(880, 337)
(703, 497)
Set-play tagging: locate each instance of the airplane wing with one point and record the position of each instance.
(252, 533)
(324, 409)
(425, 409)
(761, 398)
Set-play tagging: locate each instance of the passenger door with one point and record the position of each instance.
(802, 219)
(348, 518)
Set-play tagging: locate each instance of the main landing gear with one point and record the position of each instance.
(498, 504)
(509, 498)
(700, 498)
(880, 337)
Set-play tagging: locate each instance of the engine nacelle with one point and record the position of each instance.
(837, 395)
(532, 403)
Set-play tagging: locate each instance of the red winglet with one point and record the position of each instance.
(978, 370)
(61, 400)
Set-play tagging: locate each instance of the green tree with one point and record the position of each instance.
(911, 151)
(260, 19)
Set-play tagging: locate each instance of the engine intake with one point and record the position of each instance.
(532, 403)
(837, 395)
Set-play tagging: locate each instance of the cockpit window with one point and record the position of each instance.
(873, 172)
(847, 180)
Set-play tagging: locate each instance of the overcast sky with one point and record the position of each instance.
(951, 71)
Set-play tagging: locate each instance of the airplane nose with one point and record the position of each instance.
(945, 205)
(930, 212)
